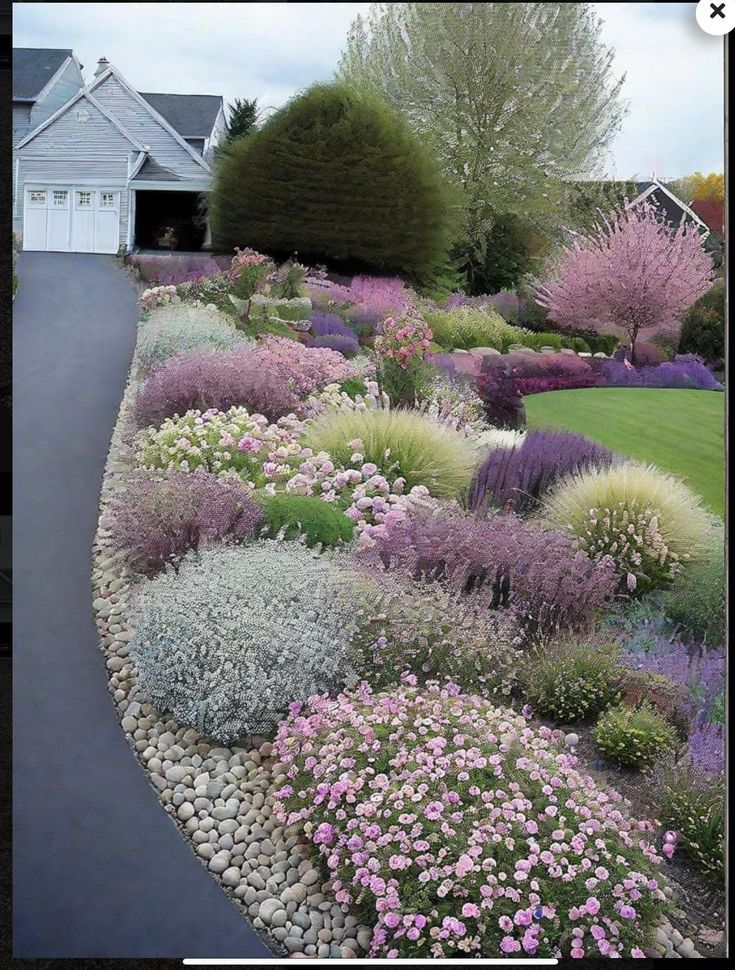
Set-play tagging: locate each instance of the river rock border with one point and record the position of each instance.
(221, 798)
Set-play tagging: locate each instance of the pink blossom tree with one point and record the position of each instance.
(635, 270)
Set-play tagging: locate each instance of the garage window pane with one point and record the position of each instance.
(107, 200)
(84, 200)
(38, 197)
(60, 197)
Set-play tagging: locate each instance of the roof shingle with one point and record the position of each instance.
(192, 115)
(33, 68)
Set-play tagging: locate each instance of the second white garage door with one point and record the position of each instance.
(76, 220)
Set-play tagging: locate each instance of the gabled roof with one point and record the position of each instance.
(33, 68)
(192, 115)
(88, 96)
(150, 170)
(113, 71)
(664, 199)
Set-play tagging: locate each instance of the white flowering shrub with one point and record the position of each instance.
(238, 633)
(333, 398)
(178, 327)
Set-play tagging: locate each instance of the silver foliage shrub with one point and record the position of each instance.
(180, 327)
(237, 634)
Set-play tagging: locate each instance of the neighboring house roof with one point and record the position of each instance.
(150, 170)
(664, 199)
(192, 115)
(33, 68)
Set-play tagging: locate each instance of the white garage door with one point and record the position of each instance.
(76, 220)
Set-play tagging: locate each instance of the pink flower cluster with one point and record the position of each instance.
(467, 832)
(404, 341)
(303, 369)
(244, 257)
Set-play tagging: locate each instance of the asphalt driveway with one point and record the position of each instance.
(98, 868)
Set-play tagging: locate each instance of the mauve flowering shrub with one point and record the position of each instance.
(537, 373)
(366, 301)
(499, 562)
(237, 634)
(684, 371)
(158, 520)
(174, 271)
(342, 344)
(401, 348)
(516, 478)
(218, 379)
(422, 629)
(465, 831)
(179, 328)
(306, 368)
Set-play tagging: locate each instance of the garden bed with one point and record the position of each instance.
(251, 563)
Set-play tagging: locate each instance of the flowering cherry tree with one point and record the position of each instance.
(635, 270)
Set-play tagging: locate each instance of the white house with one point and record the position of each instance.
(100, 166)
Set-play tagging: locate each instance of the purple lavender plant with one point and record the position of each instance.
(157, 520)
(346, 344)
(517, 477)
(684, 371)
(324, 323)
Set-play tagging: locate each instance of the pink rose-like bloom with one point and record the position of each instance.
(470, 909)
(627, 912)
(592, 906)
(464, 865)
(392, 920)
(509, 945)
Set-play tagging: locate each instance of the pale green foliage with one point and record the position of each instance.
(465, 327)
(178, 327)
(648, 521)
(634, 736)
(514, 98)
(403, 444)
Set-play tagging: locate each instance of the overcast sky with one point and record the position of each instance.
(674, 72)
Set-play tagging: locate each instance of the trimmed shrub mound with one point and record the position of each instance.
(703, 328)
(402, 444)
(290, 516)
(238, 634)
(471, 836)
(334, 176)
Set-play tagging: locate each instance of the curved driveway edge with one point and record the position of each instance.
(98, 868)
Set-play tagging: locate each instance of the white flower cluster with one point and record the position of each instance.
(228, 642)
(332, 398)
(158, 296)
(178, 328)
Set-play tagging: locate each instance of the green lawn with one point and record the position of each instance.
(680, 431)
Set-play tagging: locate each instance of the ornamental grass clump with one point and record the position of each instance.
(422, 629)
(402, 444)
(158, 518)
(462, 831)
(218, 379)
(179, 328)
(570, 682)
(692, 803)
(696, 598)
(234, 443)
(228, 642)
(634, 736)
(517, 478)
(465, 327)
(500, 562)
(648, 522)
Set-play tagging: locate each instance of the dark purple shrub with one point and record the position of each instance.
(516, 478)
(501, 561)
(157, 520)
(214, 379)
(500, 395)
(324, 323)
(335, 341)
(684, 371)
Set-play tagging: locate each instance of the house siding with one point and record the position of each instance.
(163, 146)
(71, 153)
(65, 87)
(21, 121)
(218, 133)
